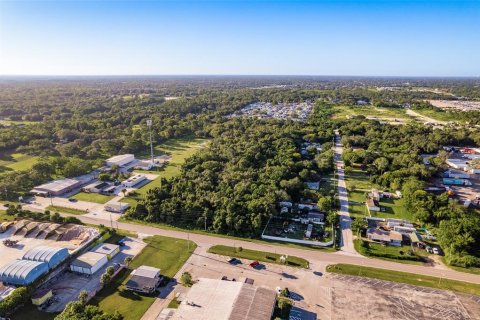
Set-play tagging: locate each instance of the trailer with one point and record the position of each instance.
(456, 182)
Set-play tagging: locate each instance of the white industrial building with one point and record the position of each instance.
(120, 160)
(108, 249)
(117, 207)
(56, 187)
(89, 262)
(133, 180)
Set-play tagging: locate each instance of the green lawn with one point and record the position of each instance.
(29, 311)
(92, 197)
(269, 257)
(391, 253)
(179, 150)
(357, 178)
(16, 161)
(341, 112)
(168, 254)
(438, 114)
(4, 216)
(64, 210)
(404, 277)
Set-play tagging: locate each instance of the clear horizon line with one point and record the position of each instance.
(235, 75)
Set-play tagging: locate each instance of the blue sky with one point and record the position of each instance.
(396, 38)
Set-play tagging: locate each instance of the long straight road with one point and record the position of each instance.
(346, 244)
(318, 259)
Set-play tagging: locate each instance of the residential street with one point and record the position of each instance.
(345, 220)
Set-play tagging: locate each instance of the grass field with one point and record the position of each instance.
(4, 216)
(438, 114)
(16, 161)
(394, 208)
(168, 254)
(92, 197)
(404, 277)
(390, 253)
(269, 257)
(64, 210)
(179, 150)
(341, 112)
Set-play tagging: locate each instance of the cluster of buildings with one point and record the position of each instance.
(392, 231)
(284, 111)
(373, 199)
(89, 182)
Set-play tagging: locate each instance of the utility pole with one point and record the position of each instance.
(149, 125)
(205, 221)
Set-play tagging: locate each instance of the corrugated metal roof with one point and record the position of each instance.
(253, 303)
(88, 259)
(44, 253)
(22, 271)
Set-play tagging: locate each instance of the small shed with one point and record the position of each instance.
(108, 249)
(89, 262)
(41, 296)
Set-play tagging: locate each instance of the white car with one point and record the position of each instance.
(436, 251)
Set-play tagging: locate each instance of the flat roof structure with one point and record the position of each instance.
(144, 279)
(109, 249)
(56, 187)
(213, 299)
(120, 159)
(88, 259)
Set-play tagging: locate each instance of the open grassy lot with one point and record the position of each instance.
(391, 253)
(358, 180)
(16, 161)
(341, 112)
(168, 254)
(405, 277)
(438, 114)
(92, 197)
(269, 257)
(65, 210)
(179, 150)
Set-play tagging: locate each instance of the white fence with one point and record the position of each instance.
(307, 242)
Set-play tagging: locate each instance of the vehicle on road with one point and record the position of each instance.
(72, 200)
(231, 260)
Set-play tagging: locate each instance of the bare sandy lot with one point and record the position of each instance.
(456, 105)
(363, 298)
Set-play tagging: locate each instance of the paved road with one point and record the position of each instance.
(346, 244)
(317, 258)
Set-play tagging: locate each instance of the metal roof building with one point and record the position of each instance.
(22, 272)
(56, 187)
(89, 262)
(50, 255)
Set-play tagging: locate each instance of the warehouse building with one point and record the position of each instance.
(22, 272)
(89, 262)
(96, 187)
(56, 187)
(213, 299)
(108, 249)
(50, 255)
(117, 207)
(134, 180)
(144, 279)
(120, 160)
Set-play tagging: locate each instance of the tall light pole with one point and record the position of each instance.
(149, 125)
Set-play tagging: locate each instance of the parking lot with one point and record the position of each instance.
(309, 289)
(67, 286)
(364, 298)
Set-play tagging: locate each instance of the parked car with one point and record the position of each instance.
(72, 200)
(429, 249)
(436, 251)
(231, 260)
(254, 264)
